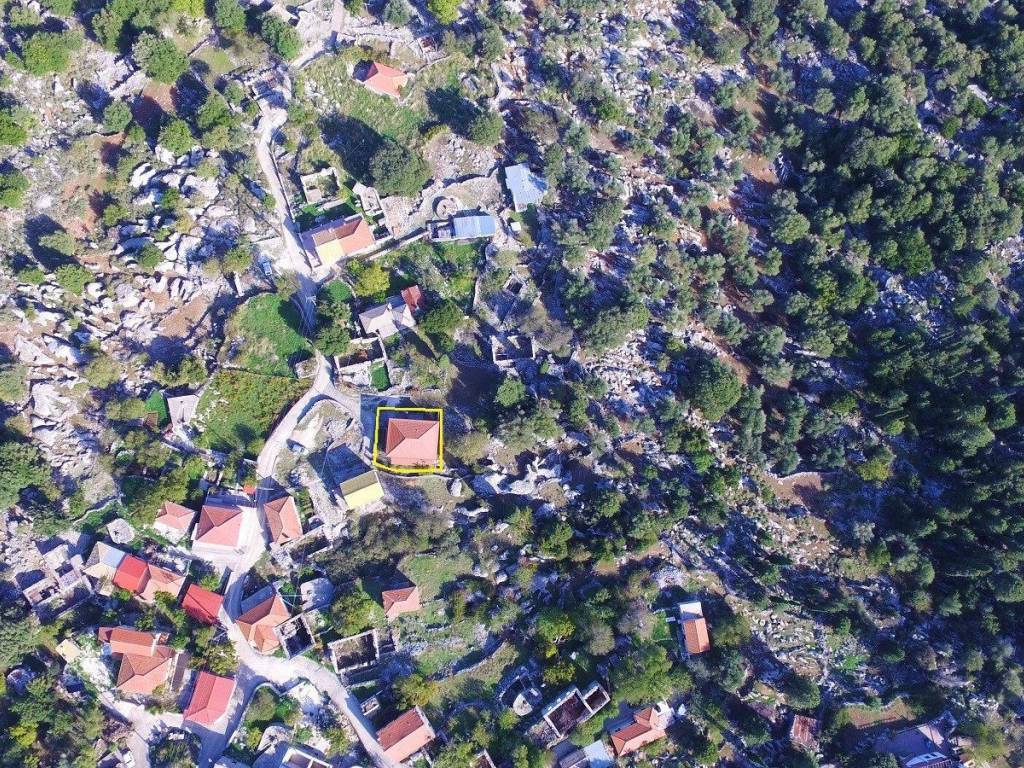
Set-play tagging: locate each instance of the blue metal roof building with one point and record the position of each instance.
(473, 227)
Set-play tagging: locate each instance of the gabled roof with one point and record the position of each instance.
(351, 234)
(695, 635)
(219, 526)
(384, 79)
(525, 186)
(103, 560)
(399, 601)
(412, 442)
(258, 623)
(202, 604)
(160, 580)
(646, 726)
(282, 520)
(143, 674)
(211, 697)
(131, 574)
(362, 489)
(405, 735)
(126, 640)
(175, 516)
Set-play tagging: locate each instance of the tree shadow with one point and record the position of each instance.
(37, 228)
(452, 108)
(354, 141)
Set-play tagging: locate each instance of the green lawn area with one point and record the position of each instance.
(432, 572)
(336, 291)
(379, 378)
(238, 408)
(217, 59)
(157, 403)
(269, 326)
(449, 269)
(479, 683)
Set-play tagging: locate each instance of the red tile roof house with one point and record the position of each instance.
(145, 580)
(211, 697)
(399, 601)
(223, 529)
(385, 80)
(202, 604)
(283, 522)
(174, 520)
(145, 663)
(412, 442)
(406, 735)
(259, 622)
(643, 727)
(338, 239)
(694, 628)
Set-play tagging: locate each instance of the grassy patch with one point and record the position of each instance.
(217, 59)
(157, 403)
(432, 572)
(449, 269)
(379, 378)
(269, 327)
(238, 408)
(478, 682)
(336, 291)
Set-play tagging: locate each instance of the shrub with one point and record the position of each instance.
(13, 186)
(73, 278)
(20, 467)
(396, 13)
(445, 11)
(176, 136)
(116, 116)
(229, 16)
(398, 170)
(149, 257)
(280, 36)
(12, 133)
(160, 57)
(45, 52)
(486, 128)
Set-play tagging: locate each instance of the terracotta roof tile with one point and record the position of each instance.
(412, 442)
(385, 79)
(131, 574)
(202, 604)
(258, 623)
(219, 526)
(175, 516)
(405, 735)
(282, 520)
(399, 601)
(211, 697)
(143, 674)
(695, 635)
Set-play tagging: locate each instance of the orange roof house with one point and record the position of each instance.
(399, 601)
(131, 574)
(694, 628)
(412, 442)
(211, 697)
(124, 640)
(174, 520)
(258, 623)
(406, 735)
(413, 298)
(385, 80)
(142, 675)
(202, 604)
(218, 526)
(337, 239)
(145, 580)
(644, 726)
(283, 521)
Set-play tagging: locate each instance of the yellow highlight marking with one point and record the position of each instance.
(409, 470)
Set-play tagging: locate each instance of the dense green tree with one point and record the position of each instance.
(21, 467)
(159, 57)
(398, 170)
(280, 36)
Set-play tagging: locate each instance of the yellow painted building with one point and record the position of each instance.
(362, 489)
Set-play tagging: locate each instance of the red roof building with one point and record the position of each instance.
(337, 239)
(803, 732)
(211, 697)
(218, 526)
(124, 640)
(174, 519)
(694, 628)
(413, 298)
(412, 442)
(131, 574)
(202, 604)
(283, 522)
(399, 601)
(258, 623)
(645, 726)
(385, 80)
(142, 675)
(406, 735)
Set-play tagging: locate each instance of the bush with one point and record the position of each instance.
(21, 467)
(486, 128)
(398, 170)
(160, 57)
(73, 278)
(280, 36)
(369, 278)
(116, 116)
(445, 11)
(45, 52)
(802, 692)
(396, 13)
(12, 382)
(13, 186)
(229, 16)
(176, 136)
(714, 388)
(60, 7)
(149, 257)
(12, 133)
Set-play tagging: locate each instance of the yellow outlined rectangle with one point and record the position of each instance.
(409, 470)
